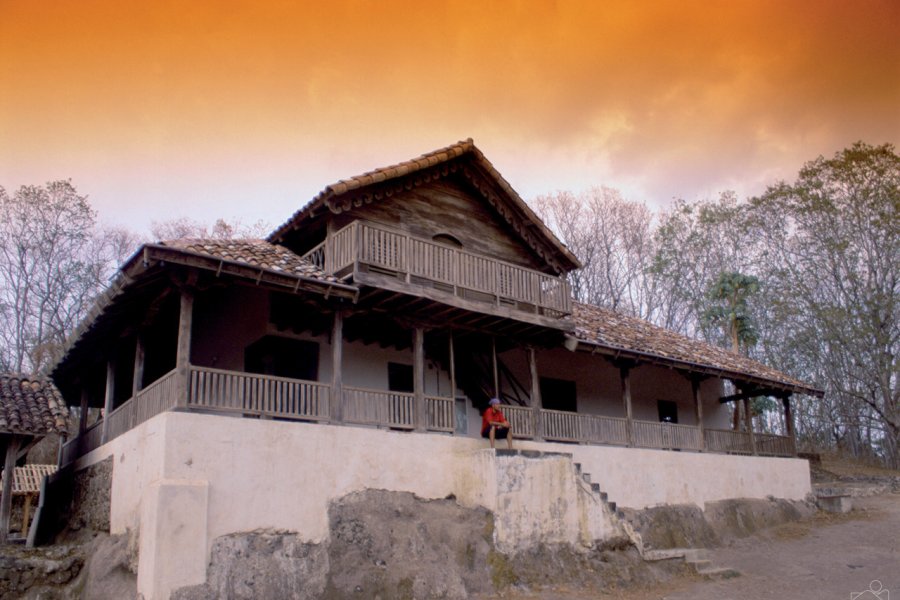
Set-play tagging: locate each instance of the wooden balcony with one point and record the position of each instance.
(261, 396)
(362, 250)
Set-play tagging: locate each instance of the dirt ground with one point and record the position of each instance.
(828, 557)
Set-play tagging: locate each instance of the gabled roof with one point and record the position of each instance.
(636, 338)
(347, 193)
(30, 405)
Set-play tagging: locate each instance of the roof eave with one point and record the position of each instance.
(586, 345)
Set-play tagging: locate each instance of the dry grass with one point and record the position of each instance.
(844, 466)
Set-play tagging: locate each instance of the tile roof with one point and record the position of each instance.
(608, 328)
(258, 253)
(425, 161)
(30, 405)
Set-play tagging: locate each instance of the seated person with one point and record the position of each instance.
(494, 424)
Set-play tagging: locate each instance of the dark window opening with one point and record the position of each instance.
(283, 357)
(447, 240)
(400, 377)
(558, 394)
(668, 411)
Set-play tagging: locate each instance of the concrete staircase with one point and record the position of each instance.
(697, 558)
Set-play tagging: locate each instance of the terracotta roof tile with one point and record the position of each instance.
(614, 330)
(30, 405)
(258, 253)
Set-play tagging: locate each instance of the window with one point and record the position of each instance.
(558, 394)
(447, 240)
(283, 357)
(400, 377)
(668, 411)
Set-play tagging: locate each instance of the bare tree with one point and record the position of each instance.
(48, 275)
(834, 238)
(612, 237)
(184, 227)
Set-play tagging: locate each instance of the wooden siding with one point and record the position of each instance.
(446, 207)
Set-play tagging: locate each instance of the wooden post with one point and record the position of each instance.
(789, 421)
(82, 418)
(496, 372)
(109, 399)
(9, 467)
(452, 370)
(625, 375)
(137, 381)
(698, 410)
(183, 352)
(421, 419)
(536, 400)
(748, 415)
(337, 359)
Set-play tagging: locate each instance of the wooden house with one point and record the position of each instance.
(380, 318)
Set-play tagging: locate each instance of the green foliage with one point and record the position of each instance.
(729, 294)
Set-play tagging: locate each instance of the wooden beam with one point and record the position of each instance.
(536, 400)
(337, 359)
(452, 368)
(137, 381)
(698, 409)
(183, 349)
(419, 378)
(82, 418)
(625, 376)
(789, 421)
(743, 395)
(748, 413)
(494, 363)
(9, 468)
(108, 399)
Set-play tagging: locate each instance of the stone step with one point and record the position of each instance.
(595, 487)
(719, 573)
(603, 495)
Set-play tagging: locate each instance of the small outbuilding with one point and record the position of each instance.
(30, 408)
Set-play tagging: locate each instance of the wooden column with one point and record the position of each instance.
(183, 353)
(9, 467)
(137, 381)
(421, 420)
(82, 418)
(496, 372)
(536, 400)
(789, 421)
(748, 415)
(625, 376)
(109, 398)
(337, 360)
(698, 410)
(452, 370)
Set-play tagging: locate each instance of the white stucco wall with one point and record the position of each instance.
(252, 474)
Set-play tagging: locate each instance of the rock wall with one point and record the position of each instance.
(91, 497)
(687, 526)
(397, 546)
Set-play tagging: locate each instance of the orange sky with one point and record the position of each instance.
(246, 109)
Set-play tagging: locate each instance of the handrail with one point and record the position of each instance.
(397, 251)
(250, 393)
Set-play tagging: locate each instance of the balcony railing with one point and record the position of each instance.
(424, 262)
(248, 394)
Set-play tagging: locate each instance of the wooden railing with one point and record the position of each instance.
(376, 407)
(484, 278)
(441, 413)
(653, 434)
(521, 420)
(727, 441)
(217, 390)
(769, 444)
(267, 395)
